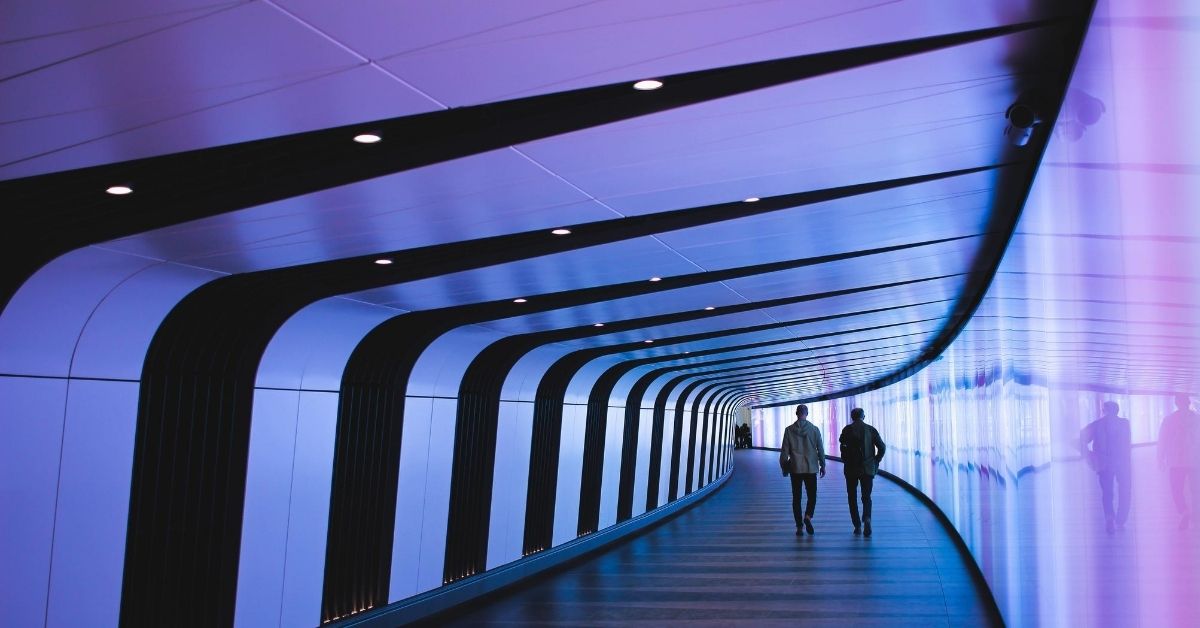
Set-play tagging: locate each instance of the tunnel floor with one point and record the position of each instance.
(734, 559)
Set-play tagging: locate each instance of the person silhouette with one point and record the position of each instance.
(801, 456)
(1109, 457)
(1177, 441)
(862, 451)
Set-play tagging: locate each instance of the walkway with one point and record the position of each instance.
(734, 559)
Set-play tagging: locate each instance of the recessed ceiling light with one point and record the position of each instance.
(647, 341)
(383, 261)
(367, 138)
(519, 300)
(597, 324)
(119, 190)
(710, 308)
(561, 231)
(686, 352)
(752, 199)
(647, 85)
(656, 279)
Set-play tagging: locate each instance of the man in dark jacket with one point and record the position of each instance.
(1105, 443)
(862, 450)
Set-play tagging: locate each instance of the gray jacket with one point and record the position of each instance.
(802, 450)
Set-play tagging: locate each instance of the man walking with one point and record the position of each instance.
(862, 450)
(1178, 439)
(1109, 457)
(801, 456)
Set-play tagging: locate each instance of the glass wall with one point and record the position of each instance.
(1096, 301)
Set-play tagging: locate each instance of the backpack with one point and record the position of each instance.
(852, 448)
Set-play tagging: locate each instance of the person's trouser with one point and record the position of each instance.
(1181, 477)
(1107, 478)
(809, 482)
(852, 497)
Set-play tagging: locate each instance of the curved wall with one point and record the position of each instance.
(292, 380)
(69, 439)
(1097, 300)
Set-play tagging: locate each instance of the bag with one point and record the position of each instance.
(852, 449)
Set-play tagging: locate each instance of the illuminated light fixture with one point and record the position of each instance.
(656, 279)
(520, 300)
(383, 261)
(119, 190)
(752, 199)
(647, 85)
(647, 341)
(710, 308)
(597, 324)
(561, 231)
(367, 138)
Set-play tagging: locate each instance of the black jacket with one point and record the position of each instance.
(866, 436)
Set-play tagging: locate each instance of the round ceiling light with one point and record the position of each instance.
(647, 85)
(119, 190)
(597, 324)
(367, 138)
(561, 231)
(710, 308)
(520, 300)
(752, 199)
(383, 261)
(656, 279)
(647, 341)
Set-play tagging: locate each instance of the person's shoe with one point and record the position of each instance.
(866, 528)
(857, 530)
(799, 531)
(808, 526)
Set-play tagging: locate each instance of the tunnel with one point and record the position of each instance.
(376, 314)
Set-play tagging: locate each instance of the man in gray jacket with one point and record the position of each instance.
(801, 456)
(862, 450)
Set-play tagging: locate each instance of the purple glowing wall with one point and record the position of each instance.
(1096, 300)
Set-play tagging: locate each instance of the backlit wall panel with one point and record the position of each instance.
(611, 470)
(509, 492)
(1097, 300)
(642, 468)
(29, 461)
(570, 470)
(72, 341)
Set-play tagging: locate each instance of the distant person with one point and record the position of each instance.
(801, 456)
(1178, 439)
(862, 451)
(1109, 457)
(744, 438)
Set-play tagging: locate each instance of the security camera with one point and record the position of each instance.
(1022, 118)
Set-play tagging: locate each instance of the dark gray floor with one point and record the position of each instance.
(735, 559)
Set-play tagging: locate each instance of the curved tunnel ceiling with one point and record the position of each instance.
(812, 204)
(886, 188)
